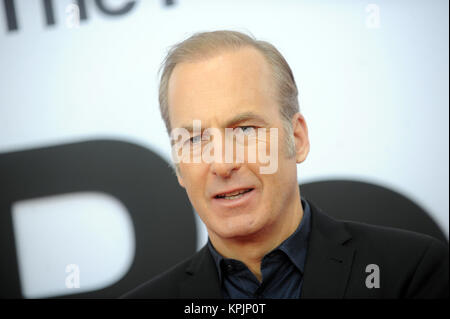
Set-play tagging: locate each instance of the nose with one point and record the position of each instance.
(222, 166)
(224, 170)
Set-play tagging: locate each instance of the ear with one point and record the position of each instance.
(300, 131)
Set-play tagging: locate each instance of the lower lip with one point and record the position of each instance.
(231, 203)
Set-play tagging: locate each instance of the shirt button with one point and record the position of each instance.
(229, 268)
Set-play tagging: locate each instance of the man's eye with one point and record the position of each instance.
(195, 139)
(247, 129)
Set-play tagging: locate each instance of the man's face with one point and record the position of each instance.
(216, 91)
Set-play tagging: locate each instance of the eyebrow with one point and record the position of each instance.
(239, 118)
(244, 117)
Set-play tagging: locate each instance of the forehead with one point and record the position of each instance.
(220, 87)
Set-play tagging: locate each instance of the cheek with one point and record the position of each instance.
(285, 178)
(193, 177)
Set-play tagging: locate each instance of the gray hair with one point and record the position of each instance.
(206, 44)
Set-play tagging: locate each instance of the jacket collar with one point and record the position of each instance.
(203, 279)
(328, 262)
(327, 268)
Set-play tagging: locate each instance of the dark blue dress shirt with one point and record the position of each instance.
(282, 268)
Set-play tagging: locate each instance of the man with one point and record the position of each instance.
(265, 241)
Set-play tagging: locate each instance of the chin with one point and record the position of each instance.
(237, 228)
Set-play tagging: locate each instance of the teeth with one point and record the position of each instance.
(234, 195)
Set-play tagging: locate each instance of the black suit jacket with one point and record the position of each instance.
(411, 265)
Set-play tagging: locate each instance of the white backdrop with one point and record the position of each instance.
(372, 75)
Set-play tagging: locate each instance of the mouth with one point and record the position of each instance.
(233, 195)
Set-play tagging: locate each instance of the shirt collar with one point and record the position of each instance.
(295, 246)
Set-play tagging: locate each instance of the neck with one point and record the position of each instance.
(251, 249)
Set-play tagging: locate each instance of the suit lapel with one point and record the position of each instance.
(327, 269)
(202, 278)
(328, 262)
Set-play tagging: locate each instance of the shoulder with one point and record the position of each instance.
(415, 264)
(373, 238)
(367, 232)
(164, 285)
(410, 264)
(389, 240)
